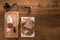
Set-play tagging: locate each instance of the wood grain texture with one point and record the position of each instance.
(15, 21)
(47, 21)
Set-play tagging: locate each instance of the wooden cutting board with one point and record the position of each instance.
(11, 34)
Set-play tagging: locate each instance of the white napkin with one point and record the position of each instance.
(9, 19)
(8, 29)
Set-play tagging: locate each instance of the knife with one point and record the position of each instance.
(14, 24)
(10, 23)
